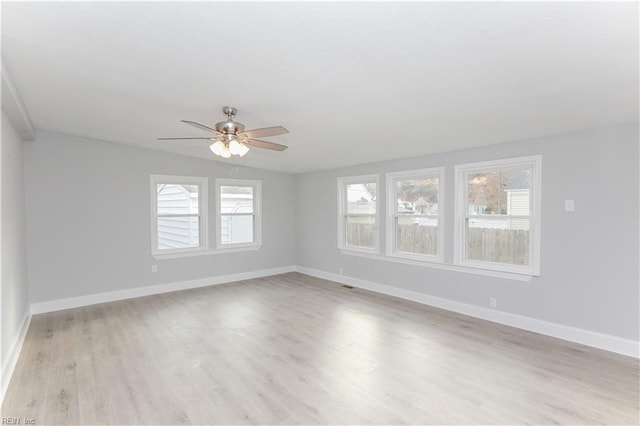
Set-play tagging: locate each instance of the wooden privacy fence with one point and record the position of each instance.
(499, 245)
(493, 245)
(361, 234)
(413, 238)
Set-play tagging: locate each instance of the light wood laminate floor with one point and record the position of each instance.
(292, 349)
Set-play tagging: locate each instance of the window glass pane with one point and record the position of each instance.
(361, 198)
(236, 229)
(177, 199)
(178, 232)
(236, 199)
(418, 196)
(500, 192)
(499, 240)
(418, 235)
(360, 231)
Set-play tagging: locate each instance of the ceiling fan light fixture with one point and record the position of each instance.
(238, 148)
(243, 149)
(225, 152)
(217, 148)
(235, 147)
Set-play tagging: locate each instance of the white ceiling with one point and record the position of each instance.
(353, 82)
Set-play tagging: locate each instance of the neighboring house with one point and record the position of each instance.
(406, 207)
(517, 204)
(236, 227)
(181, 232)
(421, 206)
(418, 207)
(176, 231)
(360, 202)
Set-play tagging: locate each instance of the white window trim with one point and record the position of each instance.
(392, 207)
(257, 215)
(533, 161)
(342, 183)
(203, 207)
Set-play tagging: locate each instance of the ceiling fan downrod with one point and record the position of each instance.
(229, 127)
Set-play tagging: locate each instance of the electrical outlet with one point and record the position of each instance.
(493, 303)
(340, 271)
(569, 206)
(154, 268)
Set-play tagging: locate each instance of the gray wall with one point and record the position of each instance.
(589, 258)
(15, 298)
(88, 216)
(88, 226)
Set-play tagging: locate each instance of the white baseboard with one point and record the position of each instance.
(92, 299)
(572, 334)
(9, 364)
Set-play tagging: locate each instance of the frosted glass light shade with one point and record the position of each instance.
(242, 149)
(235, 147)
(226, 153)
(217, 148)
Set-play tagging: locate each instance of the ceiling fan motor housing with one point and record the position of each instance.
(229, 127)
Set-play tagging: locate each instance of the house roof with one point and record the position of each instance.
(354, 82)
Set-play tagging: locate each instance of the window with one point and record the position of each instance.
(358, 210)
(498, 215)
(238, 215)
(179, 214)
(414, 224)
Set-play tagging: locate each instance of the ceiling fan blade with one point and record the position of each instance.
(201, 126)
(264, 144)
(175, 139)
(265, 131)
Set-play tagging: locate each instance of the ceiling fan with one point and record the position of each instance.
(229, 137)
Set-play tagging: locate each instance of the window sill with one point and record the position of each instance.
(237, 246)
(443, 266)
(416, 258)
(203, 252)
(360, 250)
(498, 267)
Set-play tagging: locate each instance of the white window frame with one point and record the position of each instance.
(257, 213)
(203, 216)
(392, 179)
(460, 229)
(342, 212)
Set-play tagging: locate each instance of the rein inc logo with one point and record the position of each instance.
(18, 421)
